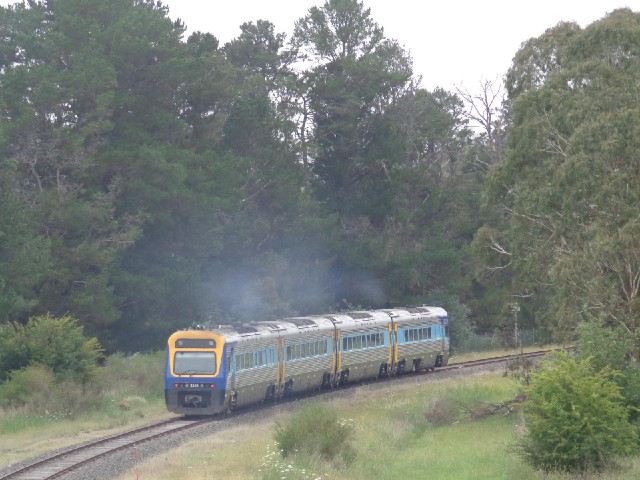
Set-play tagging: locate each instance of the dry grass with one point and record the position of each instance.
(240, 451)
(32, 442)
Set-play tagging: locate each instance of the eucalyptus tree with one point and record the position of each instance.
(570, 183)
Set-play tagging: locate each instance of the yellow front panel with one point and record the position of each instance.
(201, 335)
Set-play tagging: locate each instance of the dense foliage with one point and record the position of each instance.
(58, 344)
(576, 419)
(148, 181)
(569, 183)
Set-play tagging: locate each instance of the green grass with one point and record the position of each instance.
(127, 392)
(393, 440)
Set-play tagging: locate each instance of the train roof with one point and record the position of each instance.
(294, 325)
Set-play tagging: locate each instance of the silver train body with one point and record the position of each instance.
(270, 359)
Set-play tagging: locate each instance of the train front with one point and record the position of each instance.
(195, 379)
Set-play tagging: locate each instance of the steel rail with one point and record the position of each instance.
(61, 463)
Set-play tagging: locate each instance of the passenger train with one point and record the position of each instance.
(215, 370)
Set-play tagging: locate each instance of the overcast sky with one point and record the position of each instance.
(452, 42)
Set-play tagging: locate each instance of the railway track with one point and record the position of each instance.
(60, 464)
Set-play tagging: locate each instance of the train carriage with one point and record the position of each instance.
(252, 363)
(307, 354)
(421, 337)
(212, 371)
(363, 341)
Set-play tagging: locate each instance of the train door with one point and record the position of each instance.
(280, 365)
(336, 364)
(393, 345)
(230, 391)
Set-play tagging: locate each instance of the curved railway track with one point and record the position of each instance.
(60, 464)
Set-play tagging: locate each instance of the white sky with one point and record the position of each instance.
(452, 42)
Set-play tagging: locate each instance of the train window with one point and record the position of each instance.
(421, 334)
(202, 363)
(245, 360)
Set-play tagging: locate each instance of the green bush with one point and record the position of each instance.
(316, 431)
(575, 417)
(18, 389)
(57, 343)
(612, 346)
(35, 390)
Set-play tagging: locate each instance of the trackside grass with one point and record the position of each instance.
(391, 436)
(127, 392)
(392, 439)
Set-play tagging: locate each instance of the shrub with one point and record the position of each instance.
(18, 390)
(316, 430)
(57, 343)
(575, 417)
(35, 390)
(612, 346)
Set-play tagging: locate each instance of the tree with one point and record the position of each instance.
(569, 181)
(24, 255)
(486, 110)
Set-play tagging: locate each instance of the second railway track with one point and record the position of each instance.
(64, 464)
